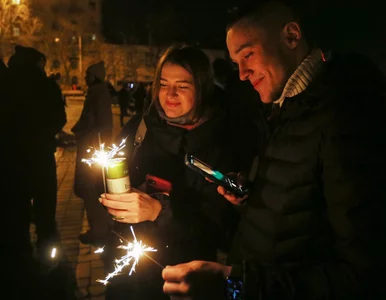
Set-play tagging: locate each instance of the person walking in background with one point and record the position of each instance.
(94, 126)
(139, 96)
(32, 135)
(123, 101)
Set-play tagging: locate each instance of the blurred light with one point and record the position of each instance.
(57, 40)
(93, 37)
(53, 252)
(16, 31)
(16, 2)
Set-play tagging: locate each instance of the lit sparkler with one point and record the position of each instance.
(135, 250)
(106, 158)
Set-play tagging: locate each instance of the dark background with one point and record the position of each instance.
(338, 24)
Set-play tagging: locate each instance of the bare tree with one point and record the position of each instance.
(18, 25)
(122, 61)
(70, 37)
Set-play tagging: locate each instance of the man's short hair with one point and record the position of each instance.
(271, 13)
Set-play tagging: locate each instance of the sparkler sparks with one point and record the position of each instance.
(106, 158)
(135, 250)
(100, 250)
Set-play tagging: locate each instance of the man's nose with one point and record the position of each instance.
(244, 72)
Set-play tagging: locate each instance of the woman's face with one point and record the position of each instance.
(177, 93)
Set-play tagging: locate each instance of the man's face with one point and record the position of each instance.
(177, 93)
(261, 58)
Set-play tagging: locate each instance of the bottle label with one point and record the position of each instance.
(118, 185)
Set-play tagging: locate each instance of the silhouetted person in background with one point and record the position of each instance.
(139, 96)
(112, 91)
(95, 121)
(3, 70)
(35, 114)
(123, 101)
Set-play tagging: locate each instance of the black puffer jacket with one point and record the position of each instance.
(312, 227)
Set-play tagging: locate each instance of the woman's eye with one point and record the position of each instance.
(162, 84)
(183, 87)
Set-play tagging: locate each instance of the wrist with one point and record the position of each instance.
(157, 210)
(227, 271)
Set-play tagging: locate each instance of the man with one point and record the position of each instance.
(311, 228)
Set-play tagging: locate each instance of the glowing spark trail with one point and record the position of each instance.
(106, 158)
(99, 250)
(135, 250)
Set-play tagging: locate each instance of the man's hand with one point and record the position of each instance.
(196, 280)
(230, 197)
(240, 178)
(133, 207)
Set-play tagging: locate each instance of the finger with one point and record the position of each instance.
(119, 219)
(134, 190)
(207, 179)
(174, 273)
(128, 217)
(116, 197)
(228, 195)
(117, 214)
(176, 288)
(125, 197)
(234, 200)
(114, 204)
(221, 190)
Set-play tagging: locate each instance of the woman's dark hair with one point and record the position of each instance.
(197, 63)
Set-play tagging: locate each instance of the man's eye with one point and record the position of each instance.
(162, 84)
(183, 87)
(248, 55)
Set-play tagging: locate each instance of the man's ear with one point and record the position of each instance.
(291, 34)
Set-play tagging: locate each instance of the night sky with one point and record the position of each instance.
(166, 21)
(340, 24)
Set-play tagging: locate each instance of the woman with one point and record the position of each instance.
(192, 221)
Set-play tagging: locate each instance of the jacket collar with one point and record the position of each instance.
(177, 140)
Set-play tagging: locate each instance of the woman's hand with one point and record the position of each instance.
(133, 207)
